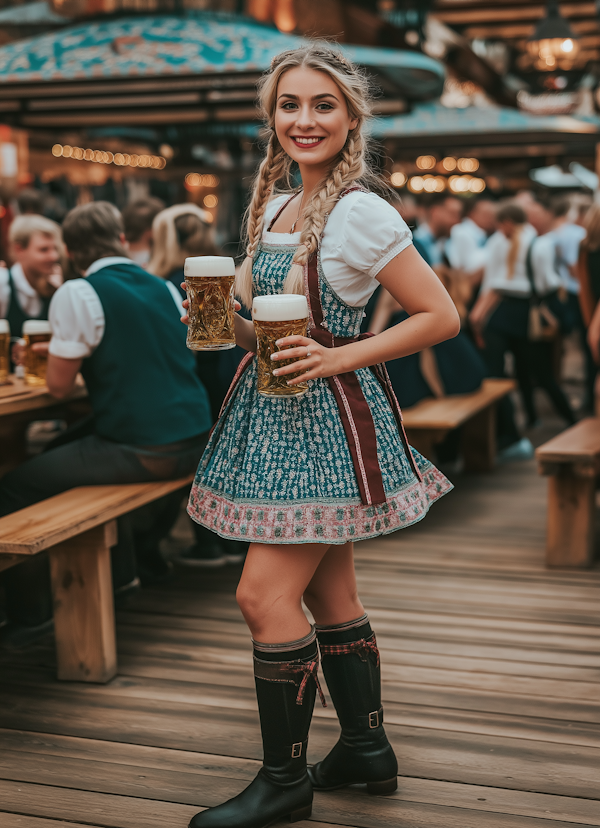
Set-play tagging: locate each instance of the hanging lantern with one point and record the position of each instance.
(553, 44)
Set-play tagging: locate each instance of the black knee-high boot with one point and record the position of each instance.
(286, 685)
(350, 661)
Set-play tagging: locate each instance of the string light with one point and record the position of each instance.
(193, 180)
(120, 159)
(398, 179)
(467, 165)
(427, 183)
(466, 184)
(426, 162)
(449, 163)
(210, 200)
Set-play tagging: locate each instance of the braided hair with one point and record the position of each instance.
(348, 168)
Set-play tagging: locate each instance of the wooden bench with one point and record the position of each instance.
(77, 528)
(429, 421)
(572, 462)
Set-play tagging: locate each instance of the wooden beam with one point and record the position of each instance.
(522, 30)
(491, 13)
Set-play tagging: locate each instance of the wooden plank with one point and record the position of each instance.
(571, 521)
(21, 821)
(577, 443)
(478, 441)
(84, 615)
(18, 396)
(63, 516)
(451, 412)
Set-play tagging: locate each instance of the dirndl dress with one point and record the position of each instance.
(300, 469)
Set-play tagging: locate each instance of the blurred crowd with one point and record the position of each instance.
(524, 274)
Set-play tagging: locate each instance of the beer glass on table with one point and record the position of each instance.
(4, 351)
(209, 286)
(34, 331)
(274, 318)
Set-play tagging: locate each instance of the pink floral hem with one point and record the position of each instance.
(328, 522)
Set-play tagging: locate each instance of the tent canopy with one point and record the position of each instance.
(170, 54)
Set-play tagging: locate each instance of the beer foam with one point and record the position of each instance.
(279, 308)
(36, 326)
(4, 326)
(209, 266)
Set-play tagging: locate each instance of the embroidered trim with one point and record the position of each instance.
(320, 521)
(278, 670)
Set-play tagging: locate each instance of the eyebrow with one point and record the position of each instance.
(314, 97)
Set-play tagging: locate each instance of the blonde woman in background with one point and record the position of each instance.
(178, 232)
(501, 313)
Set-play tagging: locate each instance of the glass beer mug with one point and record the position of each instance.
(275, 317)
(35, 330)
(4, 351)
(209, 286)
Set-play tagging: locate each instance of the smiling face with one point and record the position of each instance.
(311, 117)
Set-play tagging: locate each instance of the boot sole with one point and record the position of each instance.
(384, 788)
(295, 816)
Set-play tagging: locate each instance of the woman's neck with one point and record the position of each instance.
(311, 176)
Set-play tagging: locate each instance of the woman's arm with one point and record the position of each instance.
(582, 273)
(385, 307)
(432, 319)
(593, 335)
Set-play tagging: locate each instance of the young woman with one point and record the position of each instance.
(302, 478)
(502, 309)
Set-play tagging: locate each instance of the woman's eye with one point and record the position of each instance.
(324, 107)
(289, 105)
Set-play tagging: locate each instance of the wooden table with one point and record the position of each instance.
(21, 404)
(571, 461)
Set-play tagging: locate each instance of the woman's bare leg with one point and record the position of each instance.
(271, 588)
(331, 595)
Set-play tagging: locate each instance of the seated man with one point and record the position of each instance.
(27, 287)
(120, 327)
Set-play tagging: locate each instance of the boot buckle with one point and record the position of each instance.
(374, 719)
(297, 750)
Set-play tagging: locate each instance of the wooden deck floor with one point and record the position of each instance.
(491, 688)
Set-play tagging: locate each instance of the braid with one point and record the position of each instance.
(349, 168)
(270, 171)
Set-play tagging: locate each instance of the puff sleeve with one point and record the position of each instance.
(373, 234)
(76, 319)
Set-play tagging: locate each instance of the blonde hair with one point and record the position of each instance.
(24, 227)
(348, 168)
(178, 232)
(592, 226)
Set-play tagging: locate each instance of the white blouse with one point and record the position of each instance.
(362, 235)
(76, 314)
(543, 262)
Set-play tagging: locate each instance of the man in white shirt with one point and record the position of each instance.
(27, 287)
(444, 211)
(151, 412)
(467, 246)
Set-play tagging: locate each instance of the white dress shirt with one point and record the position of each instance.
(27, 296)
(467, 246)
(362, 235)
(568, 237)
(77, 317)
(543, 261)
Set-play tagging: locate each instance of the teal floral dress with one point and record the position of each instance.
(280, 470)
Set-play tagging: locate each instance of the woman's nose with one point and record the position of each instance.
(305, 118)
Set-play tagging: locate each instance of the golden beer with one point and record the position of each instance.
(4, 351)
(275, 317)
(209, 286)
(34, 331)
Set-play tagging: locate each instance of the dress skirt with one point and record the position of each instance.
(280, 470)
